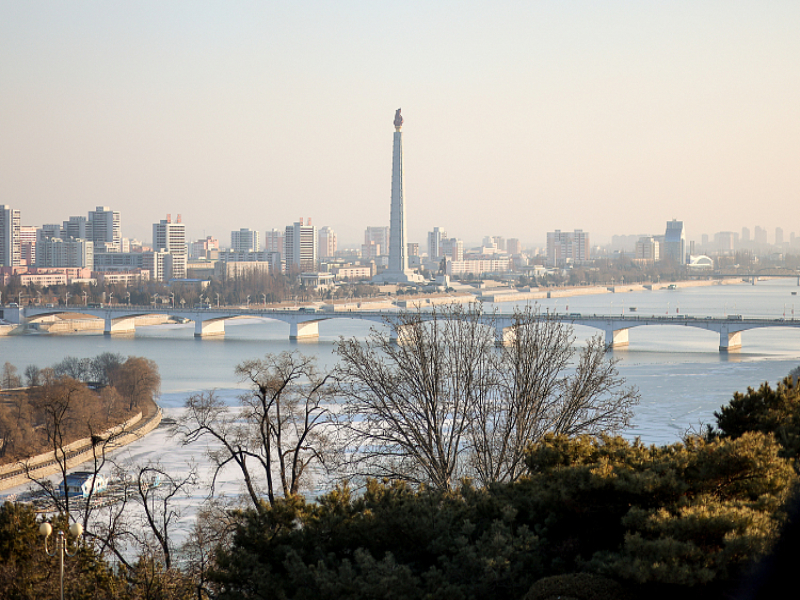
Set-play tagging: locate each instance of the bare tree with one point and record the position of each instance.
(410, 403)
(542, 383)
(102, 367)
(11, 378)
(156, 490)
(280, 432)
(443, 403)
(33, 375)
(74, 367)
(137, 380)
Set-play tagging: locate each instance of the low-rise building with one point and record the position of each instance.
(477, 266)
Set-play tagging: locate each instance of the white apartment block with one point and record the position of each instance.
(435, 238)
(648, 249)
(569, 247)
(352, 272)
(27, 245)
(326, 243)
(170, 238)
(48, 231)
(122, 277)
(59, 253)
(9, 236)
(245, 240)
(452, 249)
(104, 228)
(478, 266)
(158, 263)
(300, 247)
(75, 228)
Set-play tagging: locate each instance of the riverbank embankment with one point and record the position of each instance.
(83, 450)
(506, 295)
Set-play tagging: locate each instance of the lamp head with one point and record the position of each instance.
(76, 530)
(45, 529)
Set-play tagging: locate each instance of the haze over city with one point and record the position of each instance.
(520, 119)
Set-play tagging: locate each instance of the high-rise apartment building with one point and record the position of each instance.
(103, 227)
(9, 236)
(205, 249)
(675, 242)
(647, 249)
(435, 238)
(326, 242)
(725, 242)
(745, 235)
(371, 251)
(452, 249)
(59, 253)
(300, 247)
(245, 240)
(569, 247)
(27, 245)
(760, 235)
(379, 236)
(49, 231)
(778, 236)
(273, 241)
(170, 238)
(513, 246)
(77, 228)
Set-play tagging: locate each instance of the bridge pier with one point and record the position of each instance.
(210, 328)
(304, 331)
(504, 336)
(730, 342)
(401, 334)
(115, 326)
(616, 338)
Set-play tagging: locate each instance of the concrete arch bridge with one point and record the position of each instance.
(305, 324)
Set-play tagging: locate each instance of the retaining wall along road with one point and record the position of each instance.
(77, 452)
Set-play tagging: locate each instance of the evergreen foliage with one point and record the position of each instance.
(689, 515)
(767, 410)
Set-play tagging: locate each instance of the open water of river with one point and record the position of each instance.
(682, 377)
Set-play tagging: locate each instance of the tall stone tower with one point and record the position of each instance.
(398, 271)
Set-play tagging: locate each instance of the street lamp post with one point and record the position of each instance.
(128, 296)
(217, 299)
(75, 530)
(110, 298)
(172, 297)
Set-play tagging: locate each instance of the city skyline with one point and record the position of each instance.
(610, 118)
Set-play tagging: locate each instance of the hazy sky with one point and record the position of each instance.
(520, 117)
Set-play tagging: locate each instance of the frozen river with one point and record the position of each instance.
(681, 375)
